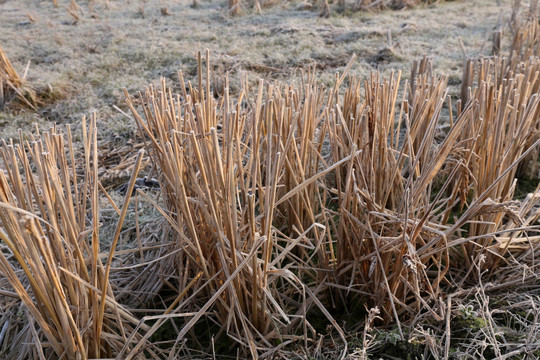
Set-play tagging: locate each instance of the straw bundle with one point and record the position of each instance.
(383, 222)
(12, 85)
(225, 191)
(49, 219)
(507, 106)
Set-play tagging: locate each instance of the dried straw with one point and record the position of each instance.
(49, 218)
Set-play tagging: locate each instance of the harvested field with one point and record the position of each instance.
(279, 179)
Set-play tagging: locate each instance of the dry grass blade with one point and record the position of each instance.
(505, 99)
(256, 182)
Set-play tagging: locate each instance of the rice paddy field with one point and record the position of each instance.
(269, 179)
